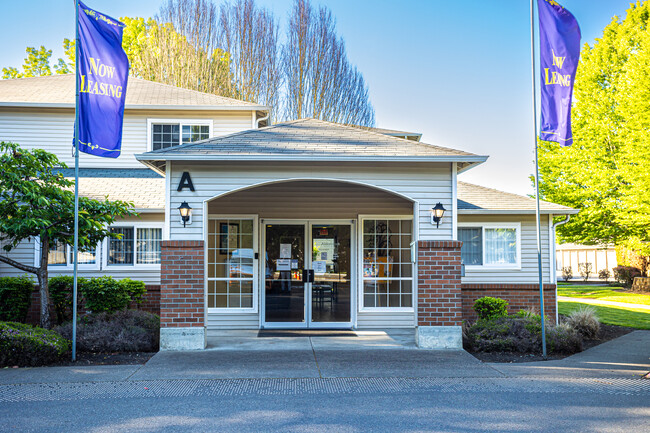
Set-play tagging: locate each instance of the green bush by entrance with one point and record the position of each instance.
(15, 298)
(29, 346)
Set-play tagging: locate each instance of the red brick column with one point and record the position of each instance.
(439, 294)
(182, 308)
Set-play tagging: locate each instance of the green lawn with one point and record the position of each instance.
(603, 293)
(631, 317)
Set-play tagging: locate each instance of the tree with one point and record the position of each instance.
(605, 173)
(319, 78)
(250, 36)
(157, 52)
(36, 202)
(37, 63)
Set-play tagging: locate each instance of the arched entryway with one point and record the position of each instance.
(304, 253)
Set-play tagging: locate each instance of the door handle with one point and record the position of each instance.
(307, 275)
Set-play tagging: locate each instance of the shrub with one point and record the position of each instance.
(15, 297)
(604, 275)
(520, 333)
(585, 270)
(563, 338)
(104, 294)
(135, 289)
(585, 321)
(504, 334)
(490, 308)
(567, 273)
(61, 288)
(626, 275)
(123, 331)
(27, 346)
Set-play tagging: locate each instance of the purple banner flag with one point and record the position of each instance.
(102, 71)
(559, 43)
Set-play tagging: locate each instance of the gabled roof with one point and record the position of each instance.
(475, 199)
(58, 91)
(143, 187)
(414, 136)
(311, 140)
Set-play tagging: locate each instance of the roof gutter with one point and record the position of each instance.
(567, 217)
(152, 156)
(141, 106)
(517, 211)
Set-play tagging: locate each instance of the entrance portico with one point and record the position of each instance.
(302, 236)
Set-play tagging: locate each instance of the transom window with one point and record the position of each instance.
(485, 245)
(137, 246)
(165, 135)
(231, 264)
(387, 263)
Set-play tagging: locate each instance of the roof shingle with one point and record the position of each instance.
(59, 91)
(309, 139)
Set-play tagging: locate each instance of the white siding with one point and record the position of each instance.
(311, 199)
(425, 184)
(25, 253)
(367, 320)
(52, 130)
(528, 274)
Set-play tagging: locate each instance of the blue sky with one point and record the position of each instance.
(456, 71)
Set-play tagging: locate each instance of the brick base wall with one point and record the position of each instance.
(150, 303)
(519, 297)
(439, 287)
(181, 284)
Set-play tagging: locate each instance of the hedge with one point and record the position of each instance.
(15, 298)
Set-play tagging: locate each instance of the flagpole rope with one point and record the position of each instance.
(537, 210)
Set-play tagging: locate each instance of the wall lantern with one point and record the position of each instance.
(437, 214)
(186, 212)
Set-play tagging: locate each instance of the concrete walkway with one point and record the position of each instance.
(604, 303)
(338, 357)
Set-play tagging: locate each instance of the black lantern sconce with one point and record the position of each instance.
(186, 212)
(437, 213)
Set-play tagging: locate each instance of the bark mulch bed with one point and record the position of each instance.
(607, 333)
(125, 358)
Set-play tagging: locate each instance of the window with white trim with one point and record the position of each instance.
(387, 266)
(136, 246)
(490, 246)
(231, 264)
(60, 254)
(165, 135)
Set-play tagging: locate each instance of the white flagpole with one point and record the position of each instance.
(76, 185)
(537, 212)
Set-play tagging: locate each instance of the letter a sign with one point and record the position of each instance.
(102, 74)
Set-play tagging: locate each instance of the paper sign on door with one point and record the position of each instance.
(320, 266)
(285, 251)
(283, 265)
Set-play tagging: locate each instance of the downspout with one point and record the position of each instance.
(262, 119)
(559, 223)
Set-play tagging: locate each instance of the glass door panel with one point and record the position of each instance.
(331, 262)
(283, 281)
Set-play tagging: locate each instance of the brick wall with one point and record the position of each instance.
(150, 303)
(439, 287)
(519, 297)
(181, 284)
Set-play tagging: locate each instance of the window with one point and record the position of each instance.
(231, 264)
(387, 276)
(168, 134)
(61, 255)
(490, 245)
(137, 246)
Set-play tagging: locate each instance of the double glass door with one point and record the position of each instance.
(307, 276)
